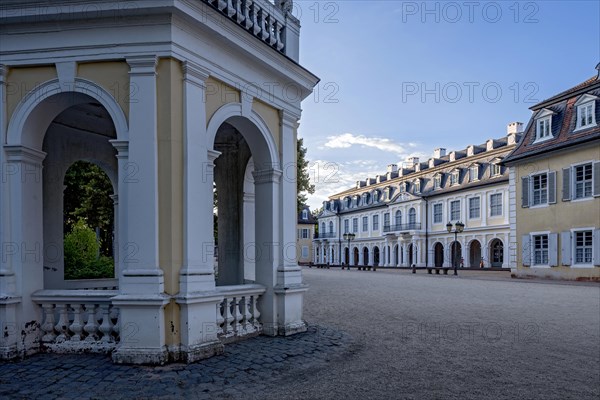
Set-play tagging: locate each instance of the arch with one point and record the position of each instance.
(347, 255)
(398, 218)
(496, 258)
(256, 132)
(396, 255)
(323, 228)
(22, 129)
(412, 217)
(365, 255)
(356, 256)
(330, 226)
(455, 253)
(438, 254)
(411, 255)
(474, 253)
(376, 256)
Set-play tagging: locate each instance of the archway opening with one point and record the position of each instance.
(347, 256)
(411, 255)
(496, 253)
(376, 256)
(365, 256)
(88, 223)
(475, 254)
(356, 256)
(396, 259)
(456, 254)
(438, 255)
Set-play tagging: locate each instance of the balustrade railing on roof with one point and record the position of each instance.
(414, 226)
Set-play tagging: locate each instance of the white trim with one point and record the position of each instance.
(573, 245)
(585, 100)
(532, 249)
(573, 176)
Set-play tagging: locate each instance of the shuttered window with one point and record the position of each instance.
(539, 189)
(583, 247)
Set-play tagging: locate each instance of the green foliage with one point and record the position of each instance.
(82, 260)
(87, 197)
(302, 177)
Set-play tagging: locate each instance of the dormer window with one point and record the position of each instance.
(495, 169)
(454, 177)
(365, 199)
(304, 214)
(437, 181)
(586, 112)
(403, 187)
(417, 184)
(376, 196)
(543, 125)
(473, 173)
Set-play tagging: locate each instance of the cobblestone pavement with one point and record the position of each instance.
(388, 334)
(246, 371)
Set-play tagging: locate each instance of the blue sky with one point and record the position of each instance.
(400, 78)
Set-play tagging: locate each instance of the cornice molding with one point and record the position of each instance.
(143, 65)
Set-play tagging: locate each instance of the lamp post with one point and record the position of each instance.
(458, 228)
(349, 237)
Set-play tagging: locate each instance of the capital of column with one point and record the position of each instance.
(122, 147)
(144, 65)
(24, 154)
(289, 119)
(115, 199)
(3, 72)
(270, 175)
(195, 74)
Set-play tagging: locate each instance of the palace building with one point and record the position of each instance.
(400, 218)
(306, 232)
(171, 99)
(555, 188)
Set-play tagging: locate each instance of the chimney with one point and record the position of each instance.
(489, 145)
(392, 168)
(368, 182)
(514, 127)
(412, 161)
(439, 152)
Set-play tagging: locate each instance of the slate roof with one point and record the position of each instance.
(310, 221)
(563, 123)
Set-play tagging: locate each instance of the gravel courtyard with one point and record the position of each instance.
(476, 336)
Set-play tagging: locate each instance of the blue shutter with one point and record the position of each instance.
(566, 185)
(596, 247)
(525, 191)
(553, 249)
(565, 248)
(551, 187)
(526, 250)
(596, 178)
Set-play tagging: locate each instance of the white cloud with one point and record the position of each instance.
(347, 140)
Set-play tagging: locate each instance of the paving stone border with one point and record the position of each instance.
(245, 371)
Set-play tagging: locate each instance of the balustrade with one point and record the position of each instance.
(238, 316)
(78, 320)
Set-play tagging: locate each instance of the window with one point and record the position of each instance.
(437, 213)
(474, 207)
(304, 251)
(346, 226)
(376, 196)
(304, 233)
(331, 226)
(540, 250)
(355, 225)
(304, 214)
(375, 222)
(583, 181)
(539, 189)
(473, 173)
(418, 186)
(495, 169)
(454, 177)
(496, 205)
(455, 210)
(365, 224)
(586, 113)
(412, 217)
(386, 220)
(583, 247)
(402, 187)
(323, 230)
(398, 217)
(365, 199)
(437, 181)
(543, 128)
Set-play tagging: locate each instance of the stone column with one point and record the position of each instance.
(22, 248)
(197, 297)
(141, 296)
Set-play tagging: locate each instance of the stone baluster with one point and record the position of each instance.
(247, 17)
(77, 325)
(221, 5)
(114, 315)
(230, 8)
(278, 30)
(264, 32)
(220, 319)
(255, 312)
(248, 315)
(239, 12)
(239, 315)
(62, 327)
(228, 317)
(272, 24)
(255, 18)
(91, 326)
(48, 325)
(106, 327)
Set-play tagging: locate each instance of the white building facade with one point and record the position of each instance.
(169, 98)
(400, 219)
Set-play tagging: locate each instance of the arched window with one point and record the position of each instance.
(331, 226)
(304, 214)
(323, 228)
(398, 217)
(412, 216)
